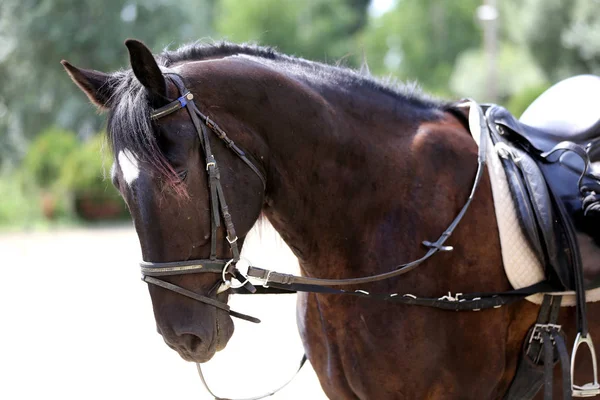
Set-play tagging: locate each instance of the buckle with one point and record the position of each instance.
(436, 245)
(266, 279)
(232, 241)
(538, 328)
(449, 297)
(592, 388)
(227, 282)
(536, 335)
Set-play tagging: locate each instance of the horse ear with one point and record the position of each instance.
(145, 68)
(93, 83)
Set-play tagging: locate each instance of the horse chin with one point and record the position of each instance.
(223, 330)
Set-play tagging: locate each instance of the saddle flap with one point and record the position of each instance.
(533, 202)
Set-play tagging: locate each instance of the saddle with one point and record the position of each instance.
(552, 162)
(551, 159)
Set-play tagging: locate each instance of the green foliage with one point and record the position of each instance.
(84, 171)
(20, 204)
(47, 154)
(316, 29)
(36, 93)
(518, 103)
(516, 70)
(563, 36)
(421, 39)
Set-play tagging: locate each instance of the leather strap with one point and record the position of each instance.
(198, 297)
(182, 267)
(457, 302)
(478, 127)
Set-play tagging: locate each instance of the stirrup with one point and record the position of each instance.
(589, 389)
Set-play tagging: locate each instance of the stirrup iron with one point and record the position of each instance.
(589, 389)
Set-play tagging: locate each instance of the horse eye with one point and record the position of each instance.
(182, 174)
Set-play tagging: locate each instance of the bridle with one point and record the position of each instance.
(218, 205)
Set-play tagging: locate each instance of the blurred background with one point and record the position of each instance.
(71, 300)
(505, 51)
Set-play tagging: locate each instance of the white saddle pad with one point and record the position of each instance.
(521, 265)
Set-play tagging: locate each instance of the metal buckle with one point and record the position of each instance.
(449, 297)
(266, 280)
(183, 99)
(212, 163)
(227, 282)
(536, 335)
(589, 389)
(537, 331)
(432, 245)
(231, 241)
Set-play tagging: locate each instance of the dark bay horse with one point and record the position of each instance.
(358, 174)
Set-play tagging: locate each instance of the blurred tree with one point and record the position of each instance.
(562, 36)
(517, 71)
(315, 29)
(36, 35)
(421, 39)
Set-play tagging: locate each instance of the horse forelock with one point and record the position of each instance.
(131, 129)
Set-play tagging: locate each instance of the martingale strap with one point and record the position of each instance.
(456, 302)
(478, 125)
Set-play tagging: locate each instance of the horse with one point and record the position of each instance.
(354, 174)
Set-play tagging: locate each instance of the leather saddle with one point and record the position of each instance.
(551, 157)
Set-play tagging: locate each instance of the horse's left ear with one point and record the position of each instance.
(145, 68)
(95, 84)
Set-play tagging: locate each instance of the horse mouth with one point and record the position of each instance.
(194, 349)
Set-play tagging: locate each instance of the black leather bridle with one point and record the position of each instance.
(226, 268)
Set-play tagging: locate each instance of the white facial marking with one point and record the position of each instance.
(129, 166)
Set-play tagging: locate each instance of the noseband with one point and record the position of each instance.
(227, 268)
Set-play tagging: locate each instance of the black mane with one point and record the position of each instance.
(326, 73)
(130, 126)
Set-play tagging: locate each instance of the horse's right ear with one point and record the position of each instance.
(93, 83)
(145, 68)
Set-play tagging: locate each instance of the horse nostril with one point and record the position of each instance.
(191, 342)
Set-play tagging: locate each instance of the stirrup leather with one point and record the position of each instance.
(589, 389)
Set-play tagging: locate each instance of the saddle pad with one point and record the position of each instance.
(521, 265)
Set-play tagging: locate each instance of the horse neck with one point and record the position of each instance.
(356, 180)
(356, 188)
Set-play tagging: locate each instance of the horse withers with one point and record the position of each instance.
(354, 175)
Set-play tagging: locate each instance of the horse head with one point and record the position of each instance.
(160, 169)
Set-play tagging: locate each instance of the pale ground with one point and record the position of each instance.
(77, 323)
